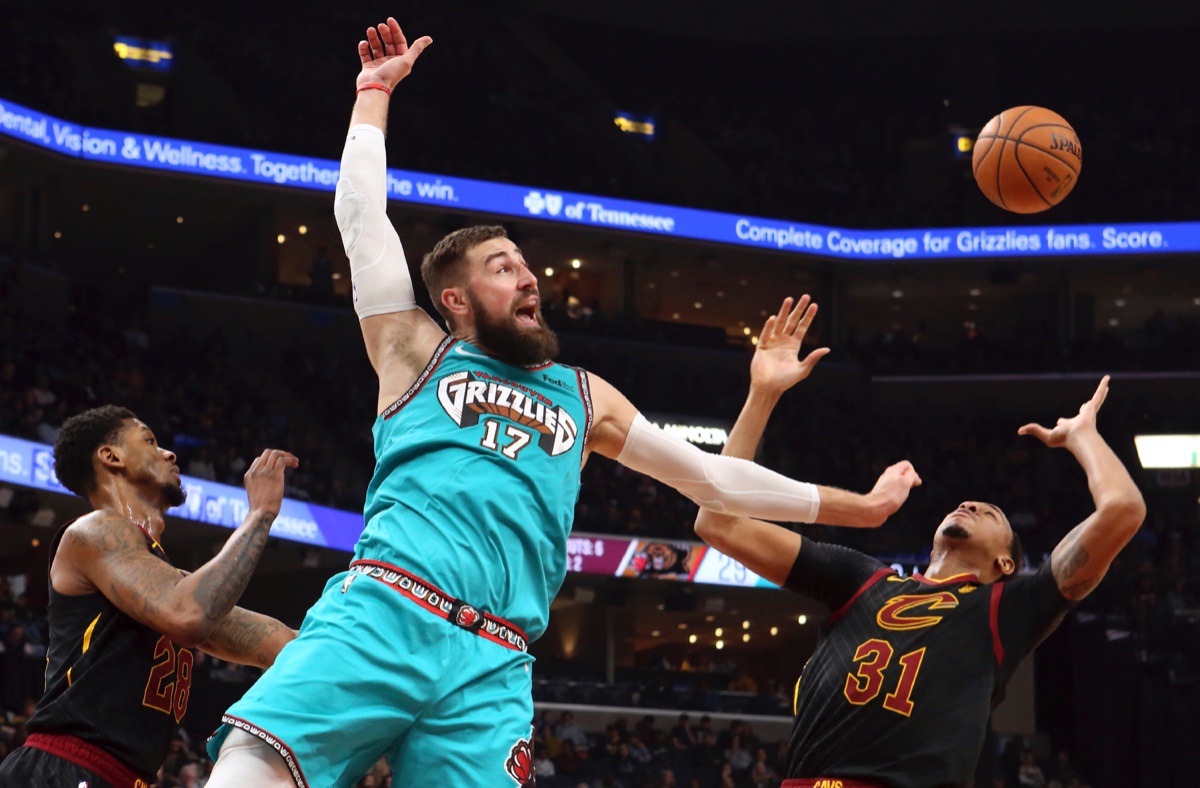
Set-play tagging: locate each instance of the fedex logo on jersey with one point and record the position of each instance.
(465, 396)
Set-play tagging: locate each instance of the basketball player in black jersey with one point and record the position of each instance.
(907, 670)
(123, 621)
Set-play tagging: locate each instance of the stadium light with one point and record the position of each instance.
(1168, 451)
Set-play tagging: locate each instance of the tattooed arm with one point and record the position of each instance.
(248, 638)
(109, 553)
(1081, 559)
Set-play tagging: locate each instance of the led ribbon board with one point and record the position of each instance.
(465, 194)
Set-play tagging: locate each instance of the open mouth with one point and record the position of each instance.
(526, 315)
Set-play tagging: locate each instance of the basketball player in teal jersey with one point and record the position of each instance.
(419, 651)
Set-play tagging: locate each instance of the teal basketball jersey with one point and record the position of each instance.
(476, 477)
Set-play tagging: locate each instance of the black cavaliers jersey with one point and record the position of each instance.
(907, 670)
(112, 681)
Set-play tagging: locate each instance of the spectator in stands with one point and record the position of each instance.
(571, 731)
(762, 773)
(568, 763)
(543, 766)
(739, 757)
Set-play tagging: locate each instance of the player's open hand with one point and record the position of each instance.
(264, 479)
(892, 489)
(777, 365)
(1066, 429)
(386, 55)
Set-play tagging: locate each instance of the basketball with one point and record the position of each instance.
(1027, 159)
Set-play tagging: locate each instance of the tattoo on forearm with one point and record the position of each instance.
(248, 638)
(229, 574)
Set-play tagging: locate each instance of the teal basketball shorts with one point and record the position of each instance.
(388, 665)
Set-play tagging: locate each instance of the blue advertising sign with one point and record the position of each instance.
(466, 194)
(32, 465)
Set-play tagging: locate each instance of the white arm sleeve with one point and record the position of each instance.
(378, 268)
(726, 485)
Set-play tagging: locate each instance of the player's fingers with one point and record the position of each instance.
(418, 47)
(768, 330)
(793, 319)
(385, 35)
(1036, 430)
(806, 319)
(812, 358)
(364, 52)
(782, 314)
(375, 44)
(287, 459)
(1101, 392)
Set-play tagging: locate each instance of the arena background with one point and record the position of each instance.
(671, 172)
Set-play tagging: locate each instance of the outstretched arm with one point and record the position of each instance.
(765, 548)
(1082, 558)
(109, 553)
(399, 337)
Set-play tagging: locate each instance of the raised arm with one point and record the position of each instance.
(1082, 558)
(109, 553)
(723, 484)
(765, 548)
(399, 337)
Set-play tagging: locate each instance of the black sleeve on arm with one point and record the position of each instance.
(1025, 610)
(830, 573)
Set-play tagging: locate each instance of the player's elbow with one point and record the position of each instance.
(190, 628)
(1126, 512)
(713, 528)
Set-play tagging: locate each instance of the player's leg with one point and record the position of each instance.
(480, 732)
(342, 693)
(248, 760)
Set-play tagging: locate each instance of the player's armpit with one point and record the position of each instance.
(766, 549)
(248, 638)
(1082, 558)
(399, 345)
(614, 414)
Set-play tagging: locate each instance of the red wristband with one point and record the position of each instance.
(374, 86)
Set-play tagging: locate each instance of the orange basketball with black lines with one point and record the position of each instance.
(1027, 159)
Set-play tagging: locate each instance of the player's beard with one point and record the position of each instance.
(174, 494)
(508, 342)
(956, 531)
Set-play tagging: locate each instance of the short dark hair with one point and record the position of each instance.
(442, 263)
(78, 440)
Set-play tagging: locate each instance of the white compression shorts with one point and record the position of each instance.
(378, 268)
(726, 485)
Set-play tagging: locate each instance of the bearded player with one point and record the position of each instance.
(419, 651)
(907, 670)
(123, 621)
